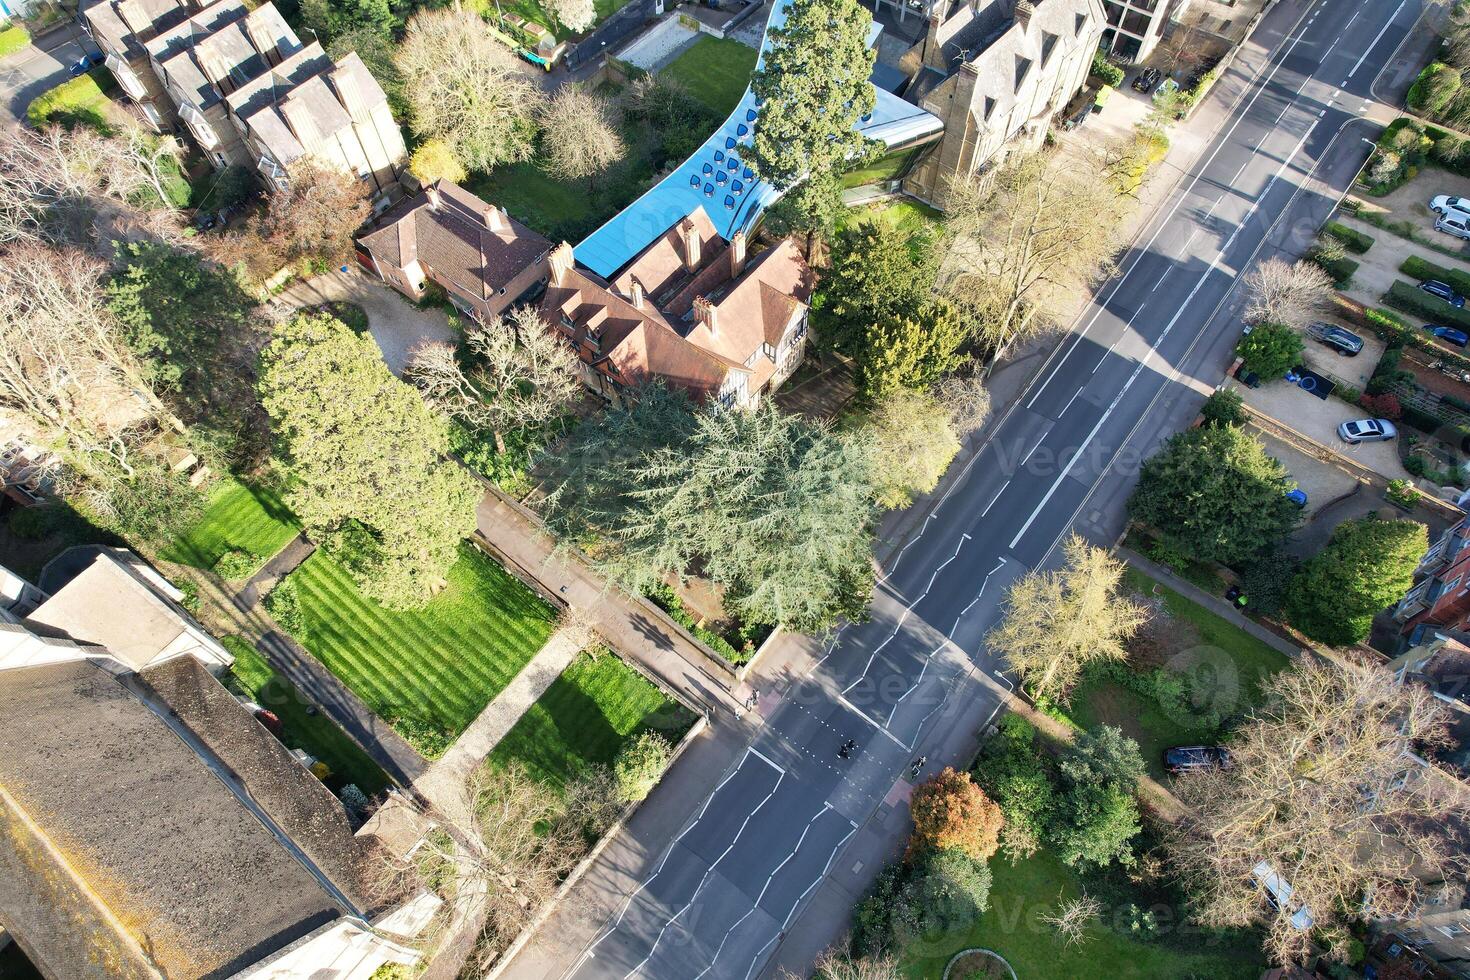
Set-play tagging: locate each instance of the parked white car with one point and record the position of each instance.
(1444, 203)
(1366, 430)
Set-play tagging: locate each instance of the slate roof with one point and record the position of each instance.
(455, 241)
(97, 788)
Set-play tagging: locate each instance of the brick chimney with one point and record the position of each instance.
(933, 43)
(1023, 12)
(705, 313)
(690, 235)
(560, 261)
(737, 255)
(637, 294)
(497, 220)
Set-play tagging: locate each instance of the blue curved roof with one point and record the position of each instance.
(627, 233)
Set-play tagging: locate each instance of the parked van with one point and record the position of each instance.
(1455, 223)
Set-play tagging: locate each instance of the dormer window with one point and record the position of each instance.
(1048, 44)
(1023, 68)
(989, 107)
(1081, 23)
(566, 321)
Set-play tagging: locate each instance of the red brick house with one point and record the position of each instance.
(1440, 597)
(481, 256)
(692, 309)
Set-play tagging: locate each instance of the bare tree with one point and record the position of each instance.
(464, 87)
(967, 401)
(52, 182)
(312, 219)
(580, 134)
(839, 963)
(523, 374)
(1072, 918)
(1330, 789)
(1286, 293)
(1026, 241)
(576, 15)
(507, 842)
(1058, 622)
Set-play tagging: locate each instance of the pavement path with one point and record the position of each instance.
(445, 778)
(635, 628)
(758, 873)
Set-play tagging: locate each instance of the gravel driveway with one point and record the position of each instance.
(396, 324)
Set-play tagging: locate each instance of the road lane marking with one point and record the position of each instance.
(708, 871)
(1240, 115)
(865, 717)
(995, 498)
(1153, 348)
(1374, 43)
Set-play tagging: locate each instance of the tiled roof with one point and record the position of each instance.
(455, 241)
(663, 265)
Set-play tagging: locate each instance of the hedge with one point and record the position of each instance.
(1352, 239)
(1341, 270)
(1392, 328)
(1423, 421)
(1412, 299)
(1421, 269)
(1105, 71)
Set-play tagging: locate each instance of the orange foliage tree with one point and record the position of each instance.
(951, 813)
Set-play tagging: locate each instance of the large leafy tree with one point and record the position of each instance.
(312, 220)
(1097, 817)
(910, 352)
(1270, 350)
(913, 440)
(951, 813)
(1368, 564)
(362, 448)
(812, 88)
(1215, 493)
(1058, 622)
(774, 508)
(879, 274)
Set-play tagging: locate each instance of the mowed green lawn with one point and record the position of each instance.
(435, 667)
(238, 516)
(715, 70)
(1021, 893)
(317, 734)
(585, 717)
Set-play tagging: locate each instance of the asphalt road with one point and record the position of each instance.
(34, 69)
(720, 898)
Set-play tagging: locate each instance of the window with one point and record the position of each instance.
(989, 108)
(566, 321)
(1048, 45)
(769, 351)
(1023, 68)
(198, 125)
(1081, 23)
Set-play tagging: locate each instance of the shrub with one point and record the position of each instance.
(1224, 407)
(639, 764)
(1454, 402)
(1270, 349)
(1341, 270)
(1105, 71)
(668, 600)
(354, 800)
(1384, 406)
(1265, 582)
(1013, 770)
(284, 604)
(1401, 492)
(1423, 421)
(1352, 239)
(237, 564)
(947, 892)
(1435, 87)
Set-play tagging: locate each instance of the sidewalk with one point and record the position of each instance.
(637, 631)
(444, 781)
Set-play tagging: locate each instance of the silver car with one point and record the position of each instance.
(1366, 430)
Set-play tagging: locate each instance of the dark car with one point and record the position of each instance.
(83, 64)
(1188, 758)
(205, 220)
(1436, 288)
(1449, 334)
(1339, 339)
(1146, 80)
